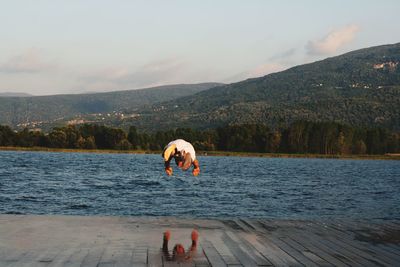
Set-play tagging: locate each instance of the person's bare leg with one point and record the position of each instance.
(166, 238)
(195, 238)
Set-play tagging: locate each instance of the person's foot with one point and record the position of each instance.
(167, 235)
(195, 236)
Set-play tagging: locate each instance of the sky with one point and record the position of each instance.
(78, 46)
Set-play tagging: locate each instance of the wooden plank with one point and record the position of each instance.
(375, 251)
(394, 248)
(335, 248)
(37, 258)
(370, 230)
(49, 256)
(28, 258)
(11, 256)
(171, 264)
(246, 260)
(326, 239)
(358, 252)
(307, 253)
(352, 247)
(154, 258)
(76, 258)
(257, 257)
(139, 257)
(234, 242)
(198, 257)
(316, 249)
(226, 254)
(214, 258)
(300, 257)
(62, 257)
(273, 253)
(93, 257)
(298, 252)
(123, 258)
(107, 258)
(232, 224)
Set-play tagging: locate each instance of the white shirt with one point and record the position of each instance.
(183, 146)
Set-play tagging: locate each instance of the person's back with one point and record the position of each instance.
(184, 154)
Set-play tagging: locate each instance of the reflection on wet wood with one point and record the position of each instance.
(67, 241)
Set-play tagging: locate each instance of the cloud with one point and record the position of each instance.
(333, 41)
(155, 73)
(29, 61)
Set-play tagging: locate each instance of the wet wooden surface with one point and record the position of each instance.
(130, 241)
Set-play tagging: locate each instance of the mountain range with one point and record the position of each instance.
(11, 94)
(55, 110)
(359, 88)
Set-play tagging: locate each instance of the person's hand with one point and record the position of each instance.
(168, 171)
(196, 171)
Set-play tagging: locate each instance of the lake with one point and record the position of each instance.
(128, 184)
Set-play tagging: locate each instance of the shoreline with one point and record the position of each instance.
(208, 153)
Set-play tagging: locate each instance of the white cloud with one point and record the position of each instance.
(156, 73)
(333, 41)
(29, 61)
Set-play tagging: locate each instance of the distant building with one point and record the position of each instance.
(390, 65)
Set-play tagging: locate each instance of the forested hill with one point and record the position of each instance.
(40, 111)
(358, 88)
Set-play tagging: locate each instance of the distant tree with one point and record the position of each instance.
(25, 138)
(58, 138)
(297, 137)
(124, 145)
(73, 135)
(133, 137)
(345, 139)
(7, 136)
(274, 141)
(86, 142)
(393, 144)
(359, 147)
(105, 137)
(376, 141)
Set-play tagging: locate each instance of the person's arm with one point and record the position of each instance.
(196, 169)
(167, 155)
(165, 250)
(168, 169)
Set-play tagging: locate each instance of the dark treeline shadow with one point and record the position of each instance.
(299, 137)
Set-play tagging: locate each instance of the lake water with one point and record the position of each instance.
(126, 184)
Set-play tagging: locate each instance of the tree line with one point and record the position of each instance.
(299, 137)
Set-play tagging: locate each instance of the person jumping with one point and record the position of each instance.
(184, 155)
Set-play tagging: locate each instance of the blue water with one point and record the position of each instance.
(125, 184)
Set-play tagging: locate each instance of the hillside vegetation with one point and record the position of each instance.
(358, 88)
(42, 111)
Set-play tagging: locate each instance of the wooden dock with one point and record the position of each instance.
(135, 241)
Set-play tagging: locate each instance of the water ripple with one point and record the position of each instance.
(122, 184)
